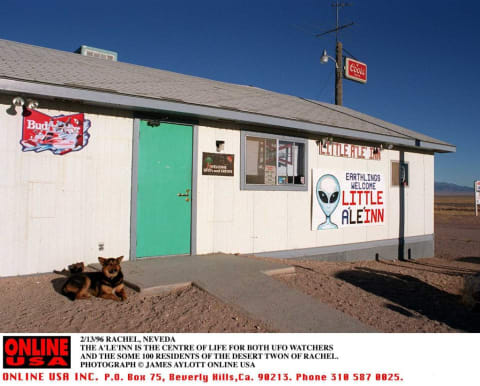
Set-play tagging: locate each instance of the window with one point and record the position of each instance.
(399, 173)
(272, 162)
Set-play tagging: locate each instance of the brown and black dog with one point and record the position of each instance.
(107, 284)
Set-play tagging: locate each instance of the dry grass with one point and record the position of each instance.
(455, 205)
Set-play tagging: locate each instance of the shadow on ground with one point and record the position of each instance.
(58, 283)
(400, 310)
(448, 270)
(411, 294)
(474, 260)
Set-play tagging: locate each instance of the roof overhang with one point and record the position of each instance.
(137, 103)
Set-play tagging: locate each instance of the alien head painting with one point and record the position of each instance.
(328, 196)
(347, 198)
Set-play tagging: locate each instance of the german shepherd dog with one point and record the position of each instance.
(106, 284)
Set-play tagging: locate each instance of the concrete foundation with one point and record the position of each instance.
(413, 248)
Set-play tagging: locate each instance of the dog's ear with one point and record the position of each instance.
(102, 260)
(119, 259)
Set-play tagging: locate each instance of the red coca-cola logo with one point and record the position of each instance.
(355, 70)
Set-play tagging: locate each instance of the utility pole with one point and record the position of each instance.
(339, 66)
(339, 75)
(339, 53)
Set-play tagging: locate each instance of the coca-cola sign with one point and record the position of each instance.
(355, 70)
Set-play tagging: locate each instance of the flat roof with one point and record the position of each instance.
(47, 72)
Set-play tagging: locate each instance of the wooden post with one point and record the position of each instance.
(475, 197)
(339, 75)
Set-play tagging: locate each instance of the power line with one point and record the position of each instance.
(349, 53)
(334, 30)
(339, 52)
(339, 5)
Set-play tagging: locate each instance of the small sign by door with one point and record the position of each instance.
(217, 164)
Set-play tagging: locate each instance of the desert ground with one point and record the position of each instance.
(392, 296)
(406, 296)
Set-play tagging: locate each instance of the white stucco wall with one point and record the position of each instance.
(232, 220)
(56, 209)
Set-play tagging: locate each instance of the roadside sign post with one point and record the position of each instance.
(476, 188)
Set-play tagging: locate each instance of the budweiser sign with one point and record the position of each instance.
(355, 70)
(60, 134)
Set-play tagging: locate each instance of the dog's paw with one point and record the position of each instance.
(121, 294)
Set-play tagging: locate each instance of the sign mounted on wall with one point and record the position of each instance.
(217, 164)
(347, 198)
(355, 70)
(337, 149)
(60, 134)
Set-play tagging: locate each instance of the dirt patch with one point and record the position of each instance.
(393, 296)
(455, 205)
(32, 304)
(413, 296)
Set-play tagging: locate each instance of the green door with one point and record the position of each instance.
(164, 172)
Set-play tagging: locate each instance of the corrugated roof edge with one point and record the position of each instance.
(129, 102)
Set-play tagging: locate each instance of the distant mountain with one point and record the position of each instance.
(447, 188)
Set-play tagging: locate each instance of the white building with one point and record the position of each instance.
(146, 163)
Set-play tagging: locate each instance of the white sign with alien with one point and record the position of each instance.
(347, 198)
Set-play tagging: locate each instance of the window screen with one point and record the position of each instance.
(261, 159)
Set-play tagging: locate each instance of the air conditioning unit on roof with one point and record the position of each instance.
(97, 53)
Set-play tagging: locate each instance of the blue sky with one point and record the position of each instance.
(422, 56)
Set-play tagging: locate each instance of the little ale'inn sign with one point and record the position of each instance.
(347, 150)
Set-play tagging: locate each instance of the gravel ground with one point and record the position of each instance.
(392, 296)
(32, 304)
(413, 296)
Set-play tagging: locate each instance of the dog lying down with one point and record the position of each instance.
(471, 292)
(106, 284)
